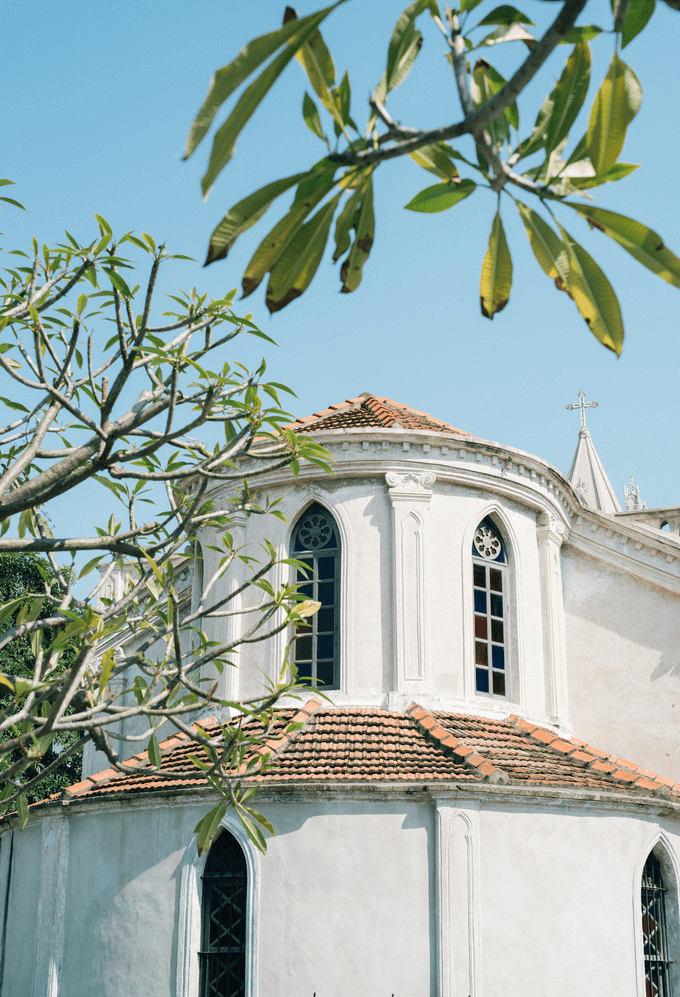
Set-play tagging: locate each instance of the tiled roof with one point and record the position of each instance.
(342, 745)
(370, 412)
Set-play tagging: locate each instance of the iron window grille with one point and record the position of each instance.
(222, 957)
(316, 543)
(654, 935)
(490, 592)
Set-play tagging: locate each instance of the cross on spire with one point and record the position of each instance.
(583, 405)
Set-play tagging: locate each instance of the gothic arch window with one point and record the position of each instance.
(316, 543)
(490, 587)
(655, 929)
(222, 956)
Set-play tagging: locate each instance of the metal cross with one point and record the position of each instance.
(583, 406)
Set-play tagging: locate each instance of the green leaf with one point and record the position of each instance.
(226, 136)
(560, 109)
(154, 752)
(227, 79)
(245, 213)
(352, 268)
(587, 178)
(81, 303)
(637, 16)
(485, 83)
(496, 278)
(252, 830)
(405, 43)
(119, 283)
(505, 14)
(108, 661)
(642, 242)
(344, 224)
(614, 108)
(207, 827)
(545, 243)
(441, 196)
(584, 33)
(22, 809)
(436, 159)
(295, 268)
(469, 4)
(593, 295)
(310, 113)
(511, 33)
(309, 193)
(317, 63)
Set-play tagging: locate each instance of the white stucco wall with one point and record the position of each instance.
(348, 898)
(623, 637)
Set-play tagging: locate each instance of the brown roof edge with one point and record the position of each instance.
(427, 723)
(617, 768)
(276, 746)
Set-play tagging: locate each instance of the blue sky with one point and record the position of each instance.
(97, 103)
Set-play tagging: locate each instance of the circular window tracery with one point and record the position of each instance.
(315, 530)
(487, 544)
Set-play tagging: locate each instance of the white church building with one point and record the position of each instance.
(489, 806)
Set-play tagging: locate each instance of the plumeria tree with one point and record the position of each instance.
(95, 387)
(544, 171)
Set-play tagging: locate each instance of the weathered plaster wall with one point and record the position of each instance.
(623, 643)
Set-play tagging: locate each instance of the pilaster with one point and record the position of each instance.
(410, 494)
(550, 534)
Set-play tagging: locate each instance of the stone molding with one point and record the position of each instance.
(549, 534)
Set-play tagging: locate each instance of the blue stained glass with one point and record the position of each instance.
(480, 602)
(482, 680)
(497, 656)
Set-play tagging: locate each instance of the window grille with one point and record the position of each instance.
(655, 939)
(490, 593)
(316, 543)
(222, 956)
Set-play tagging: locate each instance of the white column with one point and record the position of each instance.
(51, 906)
(410, 494)
(550, 534)
(458, 919)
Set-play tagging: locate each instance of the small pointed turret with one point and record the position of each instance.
(586, 474)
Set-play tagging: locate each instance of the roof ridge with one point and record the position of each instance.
(611, 765)
(470, 756)
(378, 407)
(274, 747)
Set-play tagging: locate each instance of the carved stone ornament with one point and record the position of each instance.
(315, 530)
(410, 481)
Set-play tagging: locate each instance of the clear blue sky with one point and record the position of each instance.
(96, 106)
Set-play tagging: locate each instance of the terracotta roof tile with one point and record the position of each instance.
(370, 412)
(336, 745)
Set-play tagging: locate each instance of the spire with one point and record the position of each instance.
(586, 474)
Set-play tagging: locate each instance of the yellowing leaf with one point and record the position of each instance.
(295, 268)
(496, 278)
(546, 245)
(615, 106)
(352, 269)
(594, 296)
(642, 242)
(441, 196)
(435, 158)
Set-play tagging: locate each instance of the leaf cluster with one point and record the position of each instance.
(545, 165)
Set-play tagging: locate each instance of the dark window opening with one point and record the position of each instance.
(654, 935)
(222, 957)
(489, 581)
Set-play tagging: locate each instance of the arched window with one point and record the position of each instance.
(222, 956)
(489, 571)
(654, 930)
(316, 542)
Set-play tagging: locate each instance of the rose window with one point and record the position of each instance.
(487, 544)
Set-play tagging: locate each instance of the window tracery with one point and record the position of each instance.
(489, 570)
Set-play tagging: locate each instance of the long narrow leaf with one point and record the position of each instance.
(352, 269)
(227, 79)
(496, 278)
(244, 214)
(273, 245)
(615, 106)
(436, 159)
(225, 139)
(546, 245)
(317, 63)
(642, 242)
(560, 108)
(594, 296)
(296, 267)
(441, 196)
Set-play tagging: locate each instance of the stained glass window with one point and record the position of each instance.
(223, 920)
(316, 543)
(655, 939)
(490, 595)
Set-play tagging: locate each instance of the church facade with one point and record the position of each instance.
(488, 805)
